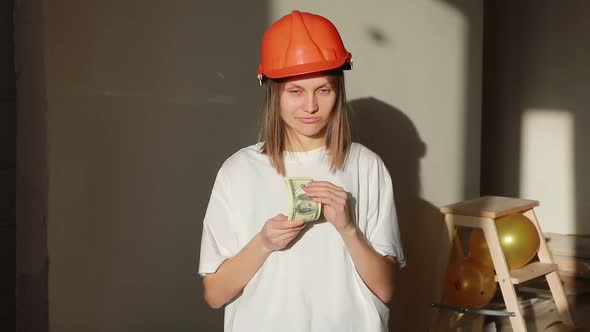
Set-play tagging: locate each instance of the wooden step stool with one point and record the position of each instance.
(481, 213)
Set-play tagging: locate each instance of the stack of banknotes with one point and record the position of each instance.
(301, 207)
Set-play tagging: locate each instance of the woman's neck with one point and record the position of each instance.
(303, 144)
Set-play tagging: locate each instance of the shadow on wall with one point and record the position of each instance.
(534, 66)
(391, 134)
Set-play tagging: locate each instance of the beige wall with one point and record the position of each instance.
(424, 59)
(144, 102)
(537, 109)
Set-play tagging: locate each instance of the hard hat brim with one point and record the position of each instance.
(307, 68)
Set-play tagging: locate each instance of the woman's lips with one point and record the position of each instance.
(308, 120)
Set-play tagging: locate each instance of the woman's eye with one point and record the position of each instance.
(295, 92)
(325, 91)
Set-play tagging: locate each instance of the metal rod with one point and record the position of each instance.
(486, 312)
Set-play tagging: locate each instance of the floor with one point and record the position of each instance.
(540, 311)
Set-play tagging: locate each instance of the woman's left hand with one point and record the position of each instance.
(334, 200)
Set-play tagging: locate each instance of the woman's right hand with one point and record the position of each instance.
(278, 232)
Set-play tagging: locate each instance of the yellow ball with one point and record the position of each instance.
(469, 284)
(519, 239)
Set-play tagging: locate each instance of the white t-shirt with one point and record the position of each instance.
(313, 285)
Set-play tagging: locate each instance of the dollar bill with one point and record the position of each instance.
(301, 206)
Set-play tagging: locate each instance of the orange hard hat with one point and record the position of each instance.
(301, 43)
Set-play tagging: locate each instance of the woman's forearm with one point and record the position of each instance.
(234, 273)
(377, 271)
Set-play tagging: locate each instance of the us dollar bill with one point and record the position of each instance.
(301, 206)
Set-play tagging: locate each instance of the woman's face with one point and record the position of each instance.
(306, 104)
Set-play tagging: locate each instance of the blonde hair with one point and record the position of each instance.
(273, 131)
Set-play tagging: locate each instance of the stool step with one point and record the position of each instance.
(531, 271)
(489, 207)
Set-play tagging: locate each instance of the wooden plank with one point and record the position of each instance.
(568, 245)
(553, 280)
(489, 206)
(478, 324)
(531, 271)
(465, 221)
(441, 318)
(572, 267)
(501, 267)
(561, 302)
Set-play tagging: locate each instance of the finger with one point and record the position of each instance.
(284, 221)
(333, 189)
(298, 225)
(326, 194)
(287, 224)
(287, 236)
(274, 233)
(280, 217)
(318, 184)
(336, 191)
(327, 201)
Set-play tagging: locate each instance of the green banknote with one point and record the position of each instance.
(300, 205)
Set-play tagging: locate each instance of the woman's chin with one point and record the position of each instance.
(316, 134)
(309, 132)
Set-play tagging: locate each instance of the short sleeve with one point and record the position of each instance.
(383, 230)
(217, 242)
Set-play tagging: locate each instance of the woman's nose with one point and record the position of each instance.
(311, 104)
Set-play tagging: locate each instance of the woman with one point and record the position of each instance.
(275, 274)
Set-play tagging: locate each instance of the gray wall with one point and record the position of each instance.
(145, 101)
(7, 164)
(31, 169)
(536, 106)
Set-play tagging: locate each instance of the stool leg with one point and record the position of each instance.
(440, 321)
(503, 273)
(553, 279)
(478, 324)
